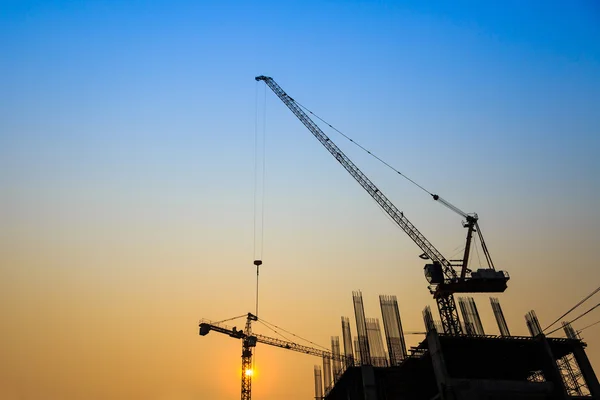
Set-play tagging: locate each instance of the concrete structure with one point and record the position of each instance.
(475, 367)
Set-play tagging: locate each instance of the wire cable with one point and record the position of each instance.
(264, 157)
(573, 320)
(364, 149)
(477, 251)
(256, 313)
(293, 334)
(229, 319)
(589, 326)
(458, 250)
(259, 184)
(276, 332)
(435, 196)
(573, 308)
(254, 193)
(585, 313)
(259, 174)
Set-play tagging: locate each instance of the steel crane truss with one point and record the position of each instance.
(440, 273)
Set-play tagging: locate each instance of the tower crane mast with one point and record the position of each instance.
(440, 273)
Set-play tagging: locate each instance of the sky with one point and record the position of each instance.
(128, 163)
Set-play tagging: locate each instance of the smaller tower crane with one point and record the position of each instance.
(249, 341)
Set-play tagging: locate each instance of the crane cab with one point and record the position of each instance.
(434, 273)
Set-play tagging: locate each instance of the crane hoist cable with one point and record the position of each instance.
(259, 186)
(259, 174)
(259, 193)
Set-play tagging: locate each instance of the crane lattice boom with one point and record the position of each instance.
(441, 274)
(428, 249)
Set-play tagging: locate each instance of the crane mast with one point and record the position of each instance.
(440, 273)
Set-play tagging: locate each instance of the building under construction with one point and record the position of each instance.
(471, 365)
(456, 360)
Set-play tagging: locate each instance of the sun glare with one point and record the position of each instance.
(249, 372)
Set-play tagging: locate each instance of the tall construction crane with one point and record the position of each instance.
(440, 273)
(249, 341)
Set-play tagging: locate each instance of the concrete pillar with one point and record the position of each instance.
(439, 365)
(586, 370)
(369, 383)
(550, 369)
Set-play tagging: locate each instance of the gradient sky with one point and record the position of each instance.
(127, 134)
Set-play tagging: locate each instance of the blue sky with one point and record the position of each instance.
(439, 68)
(127, 140)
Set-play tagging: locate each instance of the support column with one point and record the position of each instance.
(369, 383)
(550, 369)
(587, 371)
(439, 365)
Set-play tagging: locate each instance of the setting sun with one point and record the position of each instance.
(249, 372)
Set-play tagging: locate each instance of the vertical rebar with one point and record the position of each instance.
(392, 325)
(476, 318)
(502, 325)
(376, 348)
(336, 363)
(469, 327)
(347, 338)
(318, 383)
(326, 374)
(361, 328)
(569, 331)
(533, 324)
(357, 360)
(428, 319)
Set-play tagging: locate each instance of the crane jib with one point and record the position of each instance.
(440, 274)
(398, 217)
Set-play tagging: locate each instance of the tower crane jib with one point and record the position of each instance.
(440, 273)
